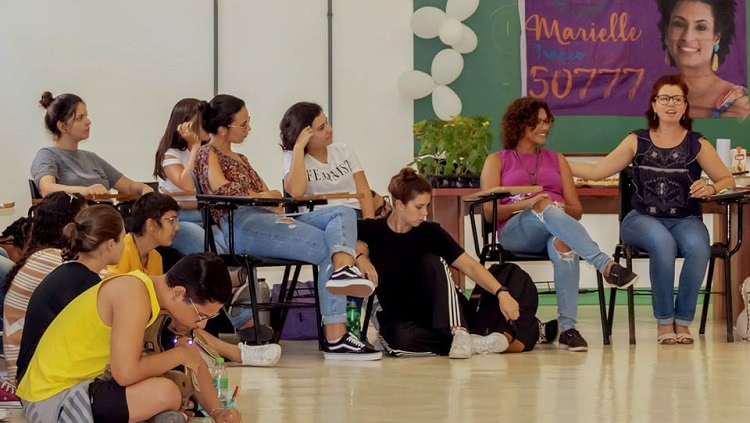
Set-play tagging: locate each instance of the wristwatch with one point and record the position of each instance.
(502, 288)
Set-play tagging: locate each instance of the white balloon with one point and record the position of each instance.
(415, 84)
(451, 31)
(447, 66)
(445, 103)
(468, 41)
(461, 9)
(425, 22)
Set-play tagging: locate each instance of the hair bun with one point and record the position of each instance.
(408, 173)
(46, 99)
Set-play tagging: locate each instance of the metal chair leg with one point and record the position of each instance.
(318, 317)
(368, 314)
(707, 294)
(728, 297)
(252, 284)
(631, 314)
(602, 308)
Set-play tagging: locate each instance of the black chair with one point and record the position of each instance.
(36, 194)
(249, 263)
(492, 251)
(719, 250)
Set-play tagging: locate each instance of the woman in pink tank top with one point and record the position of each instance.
(545, 222)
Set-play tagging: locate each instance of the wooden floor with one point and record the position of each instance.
(705, 382)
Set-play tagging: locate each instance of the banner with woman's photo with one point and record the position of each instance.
(600, 57)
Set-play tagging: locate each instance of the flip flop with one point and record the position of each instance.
(684, 338)
(669, 338)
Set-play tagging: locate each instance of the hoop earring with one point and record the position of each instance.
(715, 58)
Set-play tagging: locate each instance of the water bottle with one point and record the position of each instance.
(264, 296)
(353, 313)
(221, 382)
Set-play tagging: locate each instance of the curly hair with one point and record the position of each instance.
(723, 12)
(521, 114)
(48, 219)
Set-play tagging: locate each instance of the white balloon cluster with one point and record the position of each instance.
(431, 22)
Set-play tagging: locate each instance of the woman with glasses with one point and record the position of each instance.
(545, 222)
(314, 165)
(325, 237)
(667, 160)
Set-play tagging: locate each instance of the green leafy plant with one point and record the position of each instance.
(452, 148)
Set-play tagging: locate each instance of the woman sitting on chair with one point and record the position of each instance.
(667, 160)
(545, 222)
(324, 237)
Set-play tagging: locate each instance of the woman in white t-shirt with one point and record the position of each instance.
(173, 168)
(314, 165)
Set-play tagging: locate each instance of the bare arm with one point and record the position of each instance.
(715, 169)
(182, 176)
(295, 182)
(126, 185)
(124, 305)
(48, 184)
(476, 272)
(363, 187)
(613, 163)
(490, 178)
(573, 205)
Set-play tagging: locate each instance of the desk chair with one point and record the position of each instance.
(719, 250)
(249, 263)
(492, 251)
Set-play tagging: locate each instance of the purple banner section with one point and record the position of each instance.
(601, 57)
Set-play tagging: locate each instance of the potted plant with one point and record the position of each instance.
(452, 152)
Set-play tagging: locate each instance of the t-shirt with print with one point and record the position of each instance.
(333, 177)
(29, 276)
(396, 257)
(179, 157)
(73, 167)
(54, 293)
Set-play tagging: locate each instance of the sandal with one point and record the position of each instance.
(684, 338)
(669, 338)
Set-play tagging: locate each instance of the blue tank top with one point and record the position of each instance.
(662, 176)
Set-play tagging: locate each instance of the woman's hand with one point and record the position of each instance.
(96, 189)
(365, 266)
(304, 137)
(187, 133)
(226, 416)
(508, 305)
(701, 188)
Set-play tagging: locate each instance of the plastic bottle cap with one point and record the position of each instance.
(219, 360)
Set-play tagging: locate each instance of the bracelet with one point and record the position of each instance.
(211, 413)
(501, 289)
(358, 256)
(714, 188)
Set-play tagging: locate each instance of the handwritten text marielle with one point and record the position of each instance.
(618, 30)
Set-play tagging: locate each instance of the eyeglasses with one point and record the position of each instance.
(664, 99)
(172, 220)
(385, 207)
(202, 318)
(243, 126)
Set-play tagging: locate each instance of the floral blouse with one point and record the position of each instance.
(243, 179)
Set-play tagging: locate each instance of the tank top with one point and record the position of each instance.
(75, 347)
(662, 176)
(520, 169)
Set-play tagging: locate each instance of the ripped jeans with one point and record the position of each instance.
(312, 237)
(532, 232)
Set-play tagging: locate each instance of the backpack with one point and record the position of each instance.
(484, 314)
(301, 322)
(742, 326)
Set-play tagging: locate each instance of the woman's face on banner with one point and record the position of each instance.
(691, 34)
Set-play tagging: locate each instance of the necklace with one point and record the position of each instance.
(531, 175)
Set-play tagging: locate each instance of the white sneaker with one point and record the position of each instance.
(260, 355)
(4, 415)
(461, 347)
(492, 343)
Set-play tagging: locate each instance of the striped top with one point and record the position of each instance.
(33, 272)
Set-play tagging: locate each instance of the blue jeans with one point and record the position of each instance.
(190, 238)
(663, 238)
(532, 232)
(312, 237)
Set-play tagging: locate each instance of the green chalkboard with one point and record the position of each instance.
(491, 79)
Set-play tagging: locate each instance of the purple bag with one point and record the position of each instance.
(300, 322)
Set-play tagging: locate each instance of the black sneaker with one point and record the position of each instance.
(572, 340)
(621, 277)
(349, 281)
(547, 331)
(248, 335)
(351, 349)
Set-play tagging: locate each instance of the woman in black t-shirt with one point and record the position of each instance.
(422, 314)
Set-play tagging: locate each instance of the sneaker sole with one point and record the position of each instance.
(353, 356)
(627, 285)
(267, 364)
(573, 349)
(353, 288)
